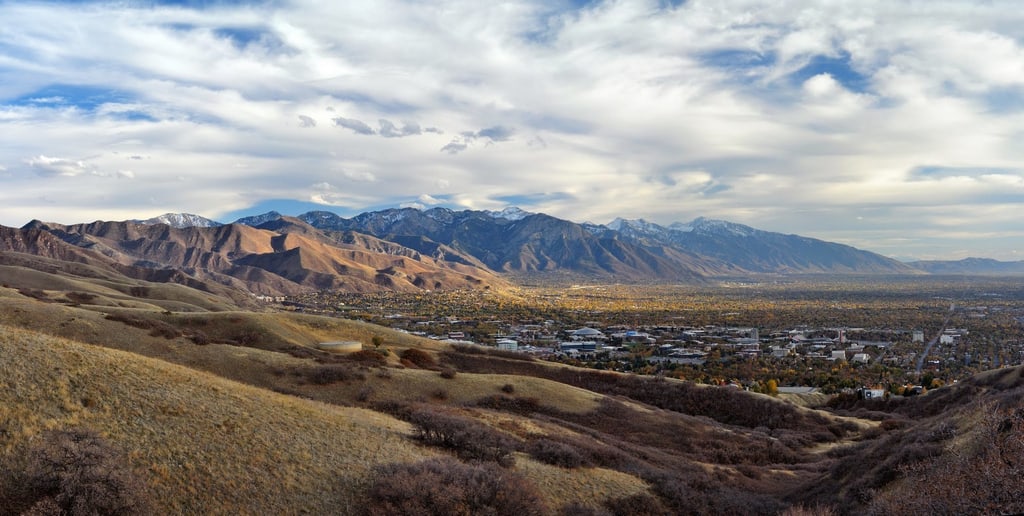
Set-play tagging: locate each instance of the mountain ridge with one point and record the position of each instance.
(410, 249)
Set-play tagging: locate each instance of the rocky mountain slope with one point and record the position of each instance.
(291, 257)
(515, 241)
(410, 249)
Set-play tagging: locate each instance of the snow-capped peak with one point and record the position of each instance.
(635, 226)
(256, 220)
(182, 220)
(714, 226)
(509, 213)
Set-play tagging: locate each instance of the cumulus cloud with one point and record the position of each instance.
(467, 138)
(389, 130)
(360, 175)
(429, 200)
(826, 110)
(50, 167)
(496, 134)
(455, 147)
(357, 126)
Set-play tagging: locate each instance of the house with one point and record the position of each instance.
(508, 345)
(871, 394)
(577, 347)
(861, 358)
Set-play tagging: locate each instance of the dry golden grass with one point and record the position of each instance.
(212, 446)
(406, 384)
(114, 290)
(207, 445)
(586, 486)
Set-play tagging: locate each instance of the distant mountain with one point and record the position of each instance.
(971, 266)
(181, 220)
(534, 243)
(409, 249)
(515, 241)
(256, 220)
(759, 251)
(510, 213)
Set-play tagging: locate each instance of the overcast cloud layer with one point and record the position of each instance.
(893, 126)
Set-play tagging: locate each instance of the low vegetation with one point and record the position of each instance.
(410, 425)
(445, 487)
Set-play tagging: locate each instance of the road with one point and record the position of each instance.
(928, 347)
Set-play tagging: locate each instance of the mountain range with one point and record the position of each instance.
(409, 249)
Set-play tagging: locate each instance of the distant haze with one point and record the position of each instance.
(893, 127)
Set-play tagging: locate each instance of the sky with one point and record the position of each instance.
(893, 126)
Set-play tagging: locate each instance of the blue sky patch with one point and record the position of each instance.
(524, 200)
(242, 37)
(940, 172)
(1005, 100)
(86, 98)
(288, 207)
(838, 67)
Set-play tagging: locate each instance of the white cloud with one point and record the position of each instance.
(746, 110)
(48, 167)
(428, 200)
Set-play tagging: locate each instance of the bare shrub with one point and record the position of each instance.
(78, 472)
(419, 358)
(508, 388)
(368, 356)
(35, 294)
(640, 504)
(985, 480)
(556, 453)
(448, 373)
(156, 327)
(364, 394)
(444, 486)
(162, 329)
(515, 404)
(328, 374)
(469, 439)
(248, 338)
(578, 509)
(80, 297)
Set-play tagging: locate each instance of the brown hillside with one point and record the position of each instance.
(299, 258)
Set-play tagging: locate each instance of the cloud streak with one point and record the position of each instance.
(879, 124)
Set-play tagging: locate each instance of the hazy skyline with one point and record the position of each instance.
(893, 126)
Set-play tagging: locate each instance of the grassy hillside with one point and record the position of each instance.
(233, 411)
(208, 445)
(204, 444)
